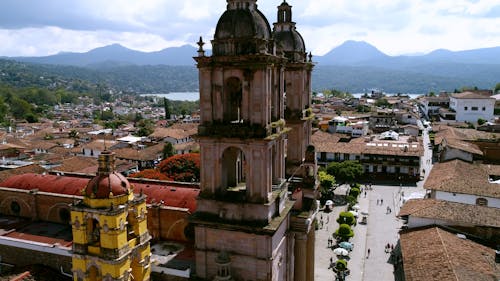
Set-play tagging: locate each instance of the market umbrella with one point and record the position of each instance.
(329, 202)
(354, 213)
(356, 207)
(346, 245)
(341, 252)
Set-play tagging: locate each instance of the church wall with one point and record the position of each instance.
(167, 223)
(18, 257)
(253, 256)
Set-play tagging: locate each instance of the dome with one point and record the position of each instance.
(242, 29)
(287, 39)
(107, 183)
(105, 186)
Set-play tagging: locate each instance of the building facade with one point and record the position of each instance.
(470, 106)
(244, 218)
(110, 233)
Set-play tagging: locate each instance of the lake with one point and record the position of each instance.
(194, 96)
(189, 96)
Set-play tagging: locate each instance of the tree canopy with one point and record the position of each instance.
(347, 171)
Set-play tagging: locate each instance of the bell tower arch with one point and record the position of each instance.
(243, 209)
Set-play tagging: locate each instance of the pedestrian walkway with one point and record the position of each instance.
(382, 228)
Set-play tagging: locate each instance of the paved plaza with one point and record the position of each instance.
(382, 229)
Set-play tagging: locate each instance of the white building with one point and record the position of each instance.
(463, 182)
(470, 106)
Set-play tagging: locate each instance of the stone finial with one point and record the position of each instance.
(310, 56)
(201, 52)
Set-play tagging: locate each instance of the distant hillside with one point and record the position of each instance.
(353, 66)
(132, 78)
(118, 55)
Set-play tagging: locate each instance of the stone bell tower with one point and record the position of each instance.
(243, 209)
(301, 166)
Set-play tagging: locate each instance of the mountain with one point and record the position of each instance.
(352, 66)
(116, 54)
(351, 52)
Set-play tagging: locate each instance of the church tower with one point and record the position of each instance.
(243, 209)
(301, 165)
(110, 234)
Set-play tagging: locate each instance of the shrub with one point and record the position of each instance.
(344, 232)
(354, 192)
(150, 174)
(346, 218)
(182, 167)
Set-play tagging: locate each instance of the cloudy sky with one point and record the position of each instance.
(43, 27)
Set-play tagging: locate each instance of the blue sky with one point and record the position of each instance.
(43, 27)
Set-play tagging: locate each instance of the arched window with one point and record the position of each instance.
(64, 215)
(233, 169)
(15, 208)
(232, 100)
(482, 201)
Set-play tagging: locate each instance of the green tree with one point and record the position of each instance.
(382, 103)
(20, 108)
(346, 218)
(344, 232)
(168, 150)
(3, 109)
(497, 88)
(347, 171)
(354, 192)
(326, 185)
(166, 105)
(481, 121)
(145, 128)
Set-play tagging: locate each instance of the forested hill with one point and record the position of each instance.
(163, 79)
(130, 78)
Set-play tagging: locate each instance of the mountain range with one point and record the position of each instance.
(353, 66)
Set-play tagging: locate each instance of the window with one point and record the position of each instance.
(15, 208)
(465, 108)
(482, 202)
(64, 215)
(484, 108)
(474, 108)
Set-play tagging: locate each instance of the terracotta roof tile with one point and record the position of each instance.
(451, 211)
(457, 176)
(434, 254)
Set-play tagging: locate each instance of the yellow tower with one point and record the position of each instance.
(110, 234)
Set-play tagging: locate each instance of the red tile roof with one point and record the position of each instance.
(170, 194)
(457, 176)
(433, 254)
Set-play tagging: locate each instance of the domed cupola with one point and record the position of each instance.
(242, 30)
(108, 187)
(286, 37)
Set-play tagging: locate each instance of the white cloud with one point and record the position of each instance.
(394, 26)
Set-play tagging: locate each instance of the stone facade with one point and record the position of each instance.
(243, 209)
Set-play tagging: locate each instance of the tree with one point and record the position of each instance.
(497, 88)
(481, 121)
(166, 105)
(168, 150)
(326, 185)
(182, 167)
(382, 103)
(344, 232)
(346, 218)
(145, 128)
(347, 171)
(354, 192)
(151, 174)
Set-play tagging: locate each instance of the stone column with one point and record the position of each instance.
(300, 257)
(311, 237)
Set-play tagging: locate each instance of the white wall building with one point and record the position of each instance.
(471, 106)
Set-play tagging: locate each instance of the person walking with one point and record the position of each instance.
(368, 253)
